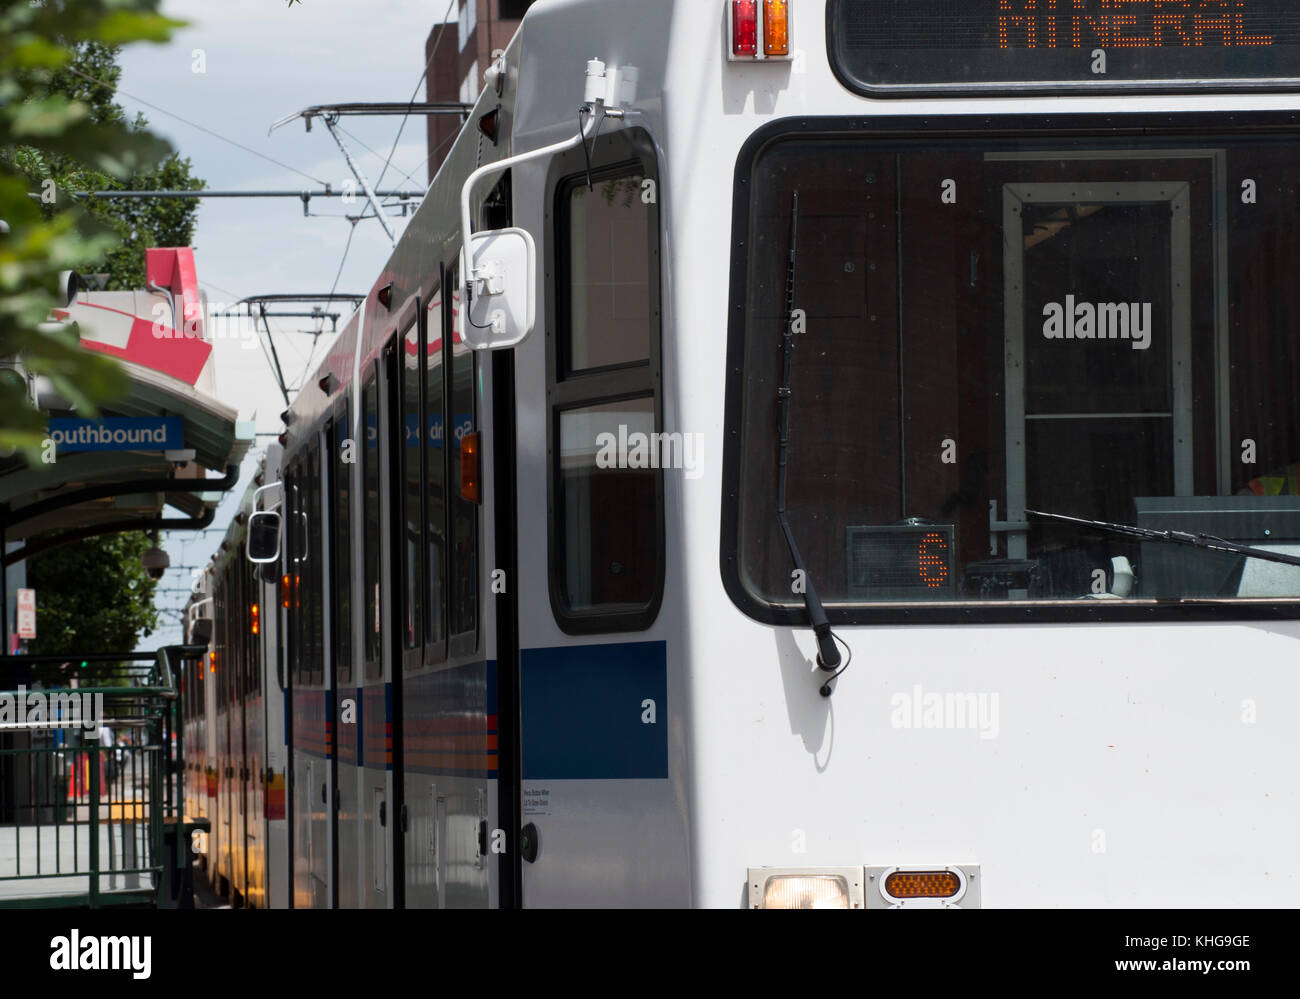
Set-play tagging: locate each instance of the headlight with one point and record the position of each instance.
(816, 888)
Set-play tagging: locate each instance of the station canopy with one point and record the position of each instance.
(167, 442)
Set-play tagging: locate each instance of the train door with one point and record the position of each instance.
(447, 704)
(1099, 273)
(312, 727)
(222, 665)
(254, 742)
(279, 869)
(344, 457)
(372, 861)
(593, 676)
(208, 735)
(410, 583)
(238, 741)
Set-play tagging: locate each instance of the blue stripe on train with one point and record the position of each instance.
(583, 707)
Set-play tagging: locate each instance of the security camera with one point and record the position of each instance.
(69, 284)
(155, 562)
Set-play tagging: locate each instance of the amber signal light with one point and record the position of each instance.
(469, 468)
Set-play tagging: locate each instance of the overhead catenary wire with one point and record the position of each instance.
(333, 288)
(377, 156)
(193, 124)
(401, 125)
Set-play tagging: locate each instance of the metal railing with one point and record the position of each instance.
(85, 817)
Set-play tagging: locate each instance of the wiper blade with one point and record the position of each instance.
(1206, 541)
(828, 656)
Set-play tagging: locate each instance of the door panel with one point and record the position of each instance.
(1098, 348)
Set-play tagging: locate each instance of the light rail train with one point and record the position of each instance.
(857, 468)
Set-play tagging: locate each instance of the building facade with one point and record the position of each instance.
(457, 54)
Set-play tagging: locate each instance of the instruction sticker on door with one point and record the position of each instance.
(537, 801)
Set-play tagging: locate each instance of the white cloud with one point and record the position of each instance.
(263, 60)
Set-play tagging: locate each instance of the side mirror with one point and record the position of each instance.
(502, 289)
(201, 631)
(263, 537)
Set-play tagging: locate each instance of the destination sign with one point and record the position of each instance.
(1065, 44)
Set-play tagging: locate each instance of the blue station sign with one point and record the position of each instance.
(142, 433)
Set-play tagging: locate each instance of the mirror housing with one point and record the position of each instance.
(501, 288)
(201, 631)
(263, 544)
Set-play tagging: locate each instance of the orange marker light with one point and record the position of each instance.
(469, 468)
(284, 592)
(255, 613)
(922, 884)
(776, 27)
(744, 27)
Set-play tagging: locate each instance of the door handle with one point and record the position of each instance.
(383, 813)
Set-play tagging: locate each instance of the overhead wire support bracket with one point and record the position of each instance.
(376, 108)
(331, 122)
(260, 302)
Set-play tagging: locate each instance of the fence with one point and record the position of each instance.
(85, 821)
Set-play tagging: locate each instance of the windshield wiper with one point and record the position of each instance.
(1207, 541)
(828, 656)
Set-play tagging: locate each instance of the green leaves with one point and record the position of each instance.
(44, 117)
(61, 132)
(92, 595)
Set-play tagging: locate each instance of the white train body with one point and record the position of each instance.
(1038, 733)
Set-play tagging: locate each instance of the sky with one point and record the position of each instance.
(239, 66)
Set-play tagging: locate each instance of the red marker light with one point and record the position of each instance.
(744, 27)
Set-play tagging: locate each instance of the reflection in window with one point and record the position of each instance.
(1080, 333)
(411, 544)
(342, 546)
(435, 478)
(464, 616)
(608, 292)
(606, 499)
(371, 508)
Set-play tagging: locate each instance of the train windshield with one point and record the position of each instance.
(1101, 329)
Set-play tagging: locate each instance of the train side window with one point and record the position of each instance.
(314, 566)
(407, 439)
(253, 633)
(218, 631)
(294, 587)
(371, 510)
(253, 637)
(464, 513)
(435, 485)
(603, 365)
(605, 258)
(341, 544)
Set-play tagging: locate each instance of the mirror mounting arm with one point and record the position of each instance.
(594, 108)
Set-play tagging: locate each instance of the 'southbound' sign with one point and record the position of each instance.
(142, 433)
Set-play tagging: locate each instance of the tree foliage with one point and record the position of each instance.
(91, 78)
(61, 131)
(92, 596)
(53, 128)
